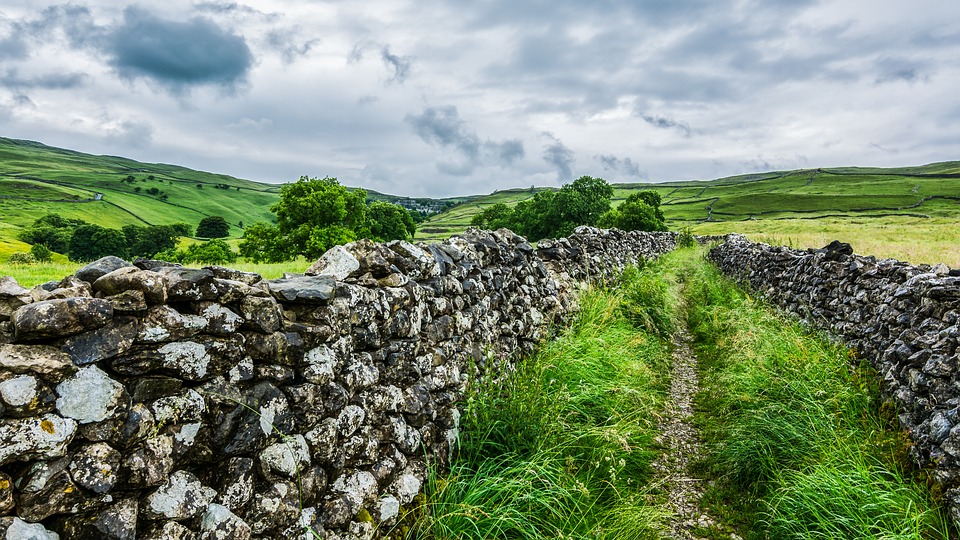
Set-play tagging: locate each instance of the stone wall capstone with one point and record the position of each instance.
(903, 318)
(153, 401)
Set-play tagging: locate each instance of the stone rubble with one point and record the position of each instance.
(902, 318)
(149, 400)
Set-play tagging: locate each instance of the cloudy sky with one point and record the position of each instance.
(458, 97)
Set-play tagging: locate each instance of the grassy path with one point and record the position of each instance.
(683, 445)
(676, 406)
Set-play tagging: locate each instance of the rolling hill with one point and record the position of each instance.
(910, 213)
(36, 179)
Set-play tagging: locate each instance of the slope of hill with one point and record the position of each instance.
(36, 179)
(909, 212)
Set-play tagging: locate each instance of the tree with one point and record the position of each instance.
(212, 252)
(148, 241)
(91, 242)
(390, 221)
(182, 229)
(52, 230)
(41, 253)
(213, 227)
(637, 213)
(582, 203)
(494, 217)
(313, 215)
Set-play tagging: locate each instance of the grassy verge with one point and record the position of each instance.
(797, 440)
(562, 448)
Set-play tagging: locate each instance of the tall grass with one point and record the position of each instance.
(795, 433)
(561, 448)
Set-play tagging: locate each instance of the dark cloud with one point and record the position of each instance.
(624, 166)
(50, 81)
(662, 122)
(559, 156)
(178, 55)
(442, 126)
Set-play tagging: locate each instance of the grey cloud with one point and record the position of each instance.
(624, 166)
(13, 47)
(442, 126)
(283, 40)
(884, 149)
(178, 55)
(233, 8)
(662, 122)
(398, 66)
(75, 21)
(559, 156)
(897, 69)
(52, 81)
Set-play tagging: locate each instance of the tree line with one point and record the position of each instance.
(585, 201)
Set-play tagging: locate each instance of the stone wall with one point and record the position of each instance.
(903, 318)
(154, 401)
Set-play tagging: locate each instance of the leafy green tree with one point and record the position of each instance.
(152, 240)
(52, 230)
(390, 221)
(494, 217)
(581, 203)
(182, 229)
(41, 253)
(313, 215)
(263, 243)
(91, 242)
(636, 213)
(212, 252)
(213, 227)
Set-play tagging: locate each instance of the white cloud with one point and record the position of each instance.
(658, 90)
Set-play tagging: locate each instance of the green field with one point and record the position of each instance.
(907, 213)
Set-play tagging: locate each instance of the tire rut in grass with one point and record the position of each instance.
(682, 446)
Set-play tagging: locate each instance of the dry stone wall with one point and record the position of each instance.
(153, 401)
(903, 318)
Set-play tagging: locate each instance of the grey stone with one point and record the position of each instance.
(113, 339)
(44, 360)
(151, 284)
(219, 523)
(181, 497)
(337, 262)
(95, 467)
(303, 290)
(288, 457)
(100, 267)
(42, 437)
(63, 317)
(90, 395)
(21, 530)
(12, 297)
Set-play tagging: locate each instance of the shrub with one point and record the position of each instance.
(21, 258)
(41, 253)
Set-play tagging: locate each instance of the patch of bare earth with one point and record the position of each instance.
(682, 446)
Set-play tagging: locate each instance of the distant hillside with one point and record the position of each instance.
(36, 179)
(929, 191)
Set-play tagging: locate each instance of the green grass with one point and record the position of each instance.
(798, 443)
(562, 448)
(857, 205)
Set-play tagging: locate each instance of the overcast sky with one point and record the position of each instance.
(460, 97)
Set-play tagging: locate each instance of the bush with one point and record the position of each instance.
(21, 258)
(41, 253)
